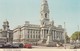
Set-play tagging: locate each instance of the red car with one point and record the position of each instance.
(27, 46)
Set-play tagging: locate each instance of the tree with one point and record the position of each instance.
(75, 35)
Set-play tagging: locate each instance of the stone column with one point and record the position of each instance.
(32, 34)
(43, 33)
(35, 34)
(27, 34)
(53, 35)
(61, 36)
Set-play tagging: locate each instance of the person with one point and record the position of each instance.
(57, 45)
(65, 46)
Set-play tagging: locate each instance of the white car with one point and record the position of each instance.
(2, 44)
(17, 45)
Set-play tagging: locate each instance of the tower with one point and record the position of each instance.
(44, 21)
(5, 25)
(44, 13)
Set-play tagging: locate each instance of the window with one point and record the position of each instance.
(36, 31)
(47, 31)
(28, 35)
(41, 14)
(39, 36)
(36, 36)
(46, 15)
(43, 23)
(33, 36)
(28, 31)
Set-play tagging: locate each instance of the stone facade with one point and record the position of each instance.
(30, 33)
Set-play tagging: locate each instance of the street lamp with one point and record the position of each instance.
(78, 41)
(64, 36)
(78, 32)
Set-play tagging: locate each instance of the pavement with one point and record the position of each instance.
(43, 47)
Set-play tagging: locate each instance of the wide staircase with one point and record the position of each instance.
(42, 42)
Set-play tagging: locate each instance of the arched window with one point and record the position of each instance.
(41, 14)
(43, 22)
(28, 35)
(46, 15)
(47, 31)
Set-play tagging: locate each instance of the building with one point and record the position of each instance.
(6, 34)
(30, 33)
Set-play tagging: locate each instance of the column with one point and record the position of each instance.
(61, 36)
(44, 33)
(53, 35)
(32, 34)
(27, 34)
(35, 34)
(41, 34)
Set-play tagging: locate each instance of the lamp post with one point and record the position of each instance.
(78, 32)
(64, 36)
(78, 35)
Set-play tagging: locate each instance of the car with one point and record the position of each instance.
(8, 45)
(2, 44)
(73, 47)
(27, 46)
(17, 45)
(77, 45)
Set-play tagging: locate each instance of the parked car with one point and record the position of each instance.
(27, 46)
(17, 45)
(1, 45)
(2, 42)
(8, 45)
(74, 46)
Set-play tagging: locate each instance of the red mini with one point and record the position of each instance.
(27, 46)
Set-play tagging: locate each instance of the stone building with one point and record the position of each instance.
(5, 33)
(35, 33)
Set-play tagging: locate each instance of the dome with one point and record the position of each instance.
(5, 21)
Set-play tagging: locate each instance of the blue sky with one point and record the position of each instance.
(19, 11)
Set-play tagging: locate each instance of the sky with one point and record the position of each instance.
(19, 11)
